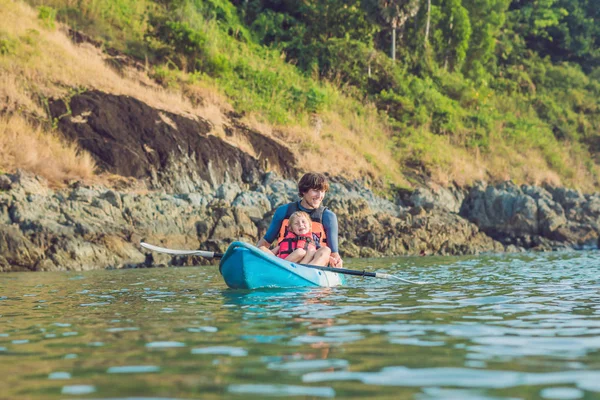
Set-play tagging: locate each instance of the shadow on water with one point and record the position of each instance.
(266, 297)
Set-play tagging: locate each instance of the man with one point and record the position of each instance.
(311, 188)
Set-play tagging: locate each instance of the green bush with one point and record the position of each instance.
(557, 116)
(31, 37)
(8, 45)
(48, 16)
(165, 75)
(524, 100)
(222, 11)
(315, 100)
(565, 77)
(401, 108)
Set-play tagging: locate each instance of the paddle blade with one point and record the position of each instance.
(173, 252)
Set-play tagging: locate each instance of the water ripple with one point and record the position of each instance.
(487, 327)
(458, 377)
(281, 390)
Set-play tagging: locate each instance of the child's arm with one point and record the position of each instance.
(275, 250)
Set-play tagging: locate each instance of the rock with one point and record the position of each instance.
(225, 228)
(113, 198)
(4, 265)
(227, 192)
(197, 199)
(83, 227)
(247, 231)
(437, 196)
(551, 217)
(29, 183)
(82, 194)
(367, 252)
(567, 198)
(514, 249)
(534, 217)
(254, 204)
(350, 249)
(169, 151)
(16, 249)
(5, 182)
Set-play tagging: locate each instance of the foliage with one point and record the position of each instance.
(303, 30)
(492, 74)
(47, 15)
(8, 45)
(392, 14)
(487, 18)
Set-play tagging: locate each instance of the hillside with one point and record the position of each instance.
(334, 98)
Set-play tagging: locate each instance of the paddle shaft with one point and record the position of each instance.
(342, 270)
(211, 254)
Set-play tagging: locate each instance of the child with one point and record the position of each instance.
(300, 244)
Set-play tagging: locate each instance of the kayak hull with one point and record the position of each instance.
(244, 266)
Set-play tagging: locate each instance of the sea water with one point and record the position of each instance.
(521, 326)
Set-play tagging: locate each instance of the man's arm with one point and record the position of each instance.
(263, 242)
(330, 224)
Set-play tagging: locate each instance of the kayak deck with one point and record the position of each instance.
(244, 266)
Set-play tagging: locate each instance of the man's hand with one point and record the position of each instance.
(335, 260)
(262, 242)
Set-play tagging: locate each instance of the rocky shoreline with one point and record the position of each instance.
(189, 188)
(92, 227)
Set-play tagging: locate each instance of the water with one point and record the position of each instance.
(490, 327)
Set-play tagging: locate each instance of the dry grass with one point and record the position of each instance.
(31, 148)
(467, 167)
(355, 144)
(209, 104)
(51, 65)
(532, 168)
(463, 169)
(347, 144)
(344, 143)
(15, 98)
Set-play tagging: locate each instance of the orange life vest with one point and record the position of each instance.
(317, 228)
(292, 242)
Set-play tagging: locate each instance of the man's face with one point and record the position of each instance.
(313, 198)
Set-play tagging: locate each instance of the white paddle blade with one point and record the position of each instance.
(202, 253)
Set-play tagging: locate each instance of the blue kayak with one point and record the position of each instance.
(244, 266)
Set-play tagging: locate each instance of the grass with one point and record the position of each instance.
(456, 133)
(51, 66)
(34, 149)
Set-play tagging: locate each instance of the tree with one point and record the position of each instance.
(487, 17)
(577, 36)
(425, 42)
(534, 21)
(303, 28)
(392, 13)
(451, 31)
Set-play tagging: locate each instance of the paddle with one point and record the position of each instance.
(202, 253)
(212, 254)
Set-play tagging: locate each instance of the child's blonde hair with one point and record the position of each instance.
(299, 214)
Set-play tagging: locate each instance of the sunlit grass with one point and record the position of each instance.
(343, 135)
(53, 67)
(36, 150)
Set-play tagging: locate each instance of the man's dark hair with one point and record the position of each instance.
(312, 180)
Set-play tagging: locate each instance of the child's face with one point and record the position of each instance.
(300, 226)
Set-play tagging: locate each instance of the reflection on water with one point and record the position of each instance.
(489, 327)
